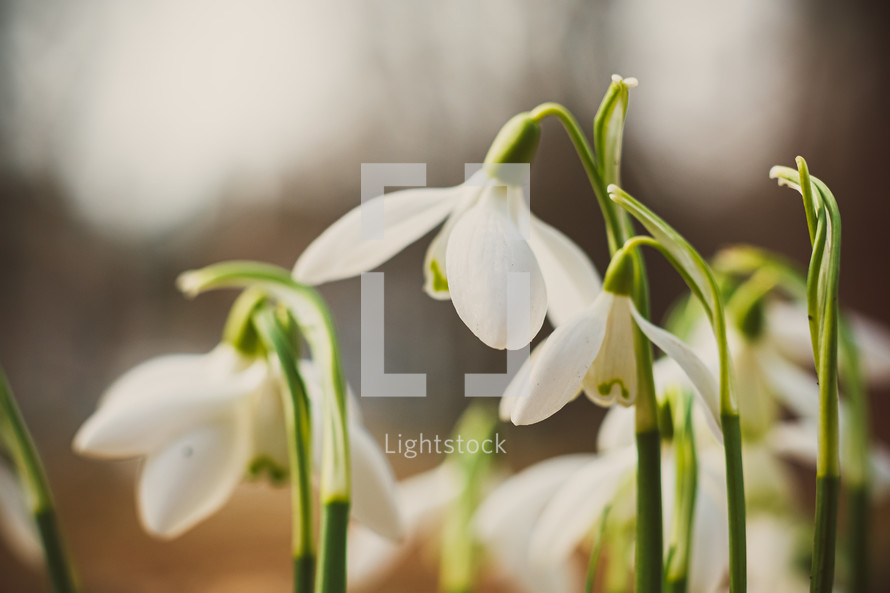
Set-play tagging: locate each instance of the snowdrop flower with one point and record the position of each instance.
(487, 235)
(202, 422)
(16, 525)
(547, 511)
(594, 352)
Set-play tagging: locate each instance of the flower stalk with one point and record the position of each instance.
(603, 169)
(17, 440)
(299, 426)
(700, 279)
(824, 225)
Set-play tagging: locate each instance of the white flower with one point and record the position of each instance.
(547, 511)
(471, 257)
(202, 422)
(423, 500)
(594, 352)
(788, 329)
(16, 524)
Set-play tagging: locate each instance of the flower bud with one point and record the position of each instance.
(516, 142)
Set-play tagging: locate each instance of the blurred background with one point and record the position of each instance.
(140, 139)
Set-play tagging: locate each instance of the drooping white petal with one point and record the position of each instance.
(617, 430)
(572, 281)
(435, 267)
(484, 249)
(505, 520)
(193, 476)
(702, 380)
(374, 498)
(573, 512)
(873, 342)
(519, 387)
(269, 429)
(563, 362)
(795, 440)
(522, 496)
(341, 252)
(16, 525)
(159, 399)
(796, 388)
(613, 375)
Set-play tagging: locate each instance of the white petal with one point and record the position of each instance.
(702, 379)
(572, 281)
(340, 252)
(435, 267)
(573, 512)
(520, 498)
(796, 388)
(16, 525)
(613, 375)
(269, 430)
(873, 340)
(519, 386)
(562, 363)
(795, 440)
(709, 563)
(505, 520)
(484, 248)
(159, 399)
(423, 499)
(374, 501)
(193, 476)
(618, 429)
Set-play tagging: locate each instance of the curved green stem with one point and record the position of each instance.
(603, 168)
(24, 454)
(316, 325)
(299, 427)
(614, 228)
(698, 275)
(822, 305)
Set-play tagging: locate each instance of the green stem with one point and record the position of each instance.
(857, 461)
(828, 461)
(858, 535)
(332, 553)
(316, 325)
(649, 529)
(686, 486)
(24, 454)
(299, 426)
